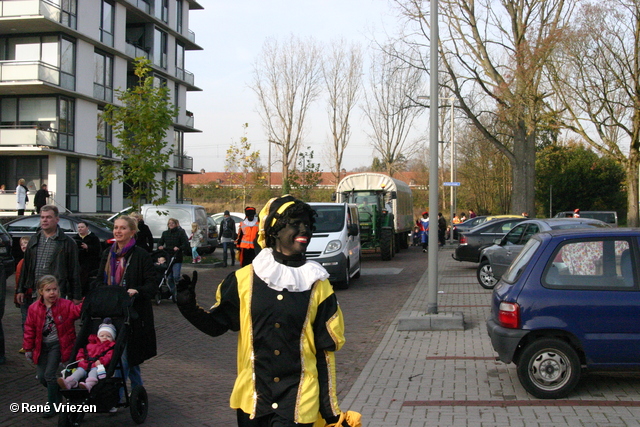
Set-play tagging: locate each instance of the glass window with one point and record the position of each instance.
(106, 22)
(103, 196)
(104, 135)
(518, 264)
(179, 16)
(73, 184)
(30, 223)
(103, 76)
(330, 219)
(162, 10)
(589, 264)
(160, 48)
(513, 237)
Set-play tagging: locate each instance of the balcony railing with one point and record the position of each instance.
(135, 51)
(44, 8)
(185, 75)
(31, 136)
(190, 119)
(191, 36)
(140, 4)
(19, 71)
(183, 162)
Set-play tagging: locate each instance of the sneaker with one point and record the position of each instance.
(113, 410)
(199, 259)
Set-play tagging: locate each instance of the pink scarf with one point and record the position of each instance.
(117, 263)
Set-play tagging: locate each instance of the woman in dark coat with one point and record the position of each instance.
(128, 265)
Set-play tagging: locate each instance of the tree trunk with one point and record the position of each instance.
(523, 172)
(632, 189)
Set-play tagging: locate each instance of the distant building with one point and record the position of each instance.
(61, 61)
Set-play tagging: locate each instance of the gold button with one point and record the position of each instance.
(276, 380)
(274, 405)
(280, 297)
(277, 325)
(277, 352)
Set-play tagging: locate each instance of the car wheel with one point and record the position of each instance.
(549, 368)
(485, 275)
(344, 284)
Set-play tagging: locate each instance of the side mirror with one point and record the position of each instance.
(498, 241)
(353, 230)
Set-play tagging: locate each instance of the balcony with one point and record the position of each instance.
(142, 5)
(192, 36)
(183, 162)
(190, 120)
(136, 52)
(22, 71)
(185, 75)
(46, 9)
(31, 136)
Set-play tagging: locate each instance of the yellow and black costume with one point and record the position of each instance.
(290, 325)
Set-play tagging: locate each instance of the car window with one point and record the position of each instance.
(330, 218)
(29, 224)
(531, 230)
(66, 225)
(592, 264)
(518, 264)
(513, 236)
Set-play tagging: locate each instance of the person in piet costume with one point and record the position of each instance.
(290, 325)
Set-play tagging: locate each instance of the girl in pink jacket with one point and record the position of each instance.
(92, 360)
(49, 335)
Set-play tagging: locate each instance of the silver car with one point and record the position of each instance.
(495, 259)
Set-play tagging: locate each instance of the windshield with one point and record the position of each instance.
(330, 218)
(518, 264)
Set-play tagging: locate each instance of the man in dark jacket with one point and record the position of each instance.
(89, 251)
(442, 229)
(50, 251)
(144, 238)
(41, 198)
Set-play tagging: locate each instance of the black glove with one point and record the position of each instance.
(186, 289)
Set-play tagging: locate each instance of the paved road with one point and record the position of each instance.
(190, 380)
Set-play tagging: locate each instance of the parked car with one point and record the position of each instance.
(495, 259)
(335, 243)
(610, 217)
(6, 257)
(238, 217)
(569, 303)
(30, 224)
(473, 241)
(156, 217)
(474, 222)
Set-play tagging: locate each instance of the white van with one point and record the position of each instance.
(336, 242)
(156, 217)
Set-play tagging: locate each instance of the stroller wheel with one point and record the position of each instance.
(139, 404)
(70, 419)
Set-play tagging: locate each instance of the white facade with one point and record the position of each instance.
(61, 62)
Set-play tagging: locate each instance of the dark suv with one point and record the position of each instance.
(6, 256)
(569, 301)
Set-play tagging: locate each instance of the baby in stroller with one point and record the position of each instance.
(162, 268)
(92, 359)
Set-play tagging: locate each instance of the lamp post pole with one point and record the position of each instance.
(432, 274)
(452, 153)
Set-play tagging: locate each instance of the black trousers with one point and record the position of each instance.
(271, 420)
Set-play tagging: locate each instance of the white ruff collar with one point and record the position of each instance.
(280, 277)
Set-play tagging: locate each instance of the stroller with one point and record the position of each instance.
(164, 275)
(113, 302)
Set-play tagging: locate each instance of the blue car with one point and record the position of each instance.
(570, 301)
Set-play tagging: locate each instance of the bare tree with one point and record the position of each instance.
(390, 110)
(494, 53)
(597, 81)
(287, 81)
(342, 72)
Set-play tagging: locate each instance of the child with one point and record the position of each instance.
(195, 240)
(49, 335)
(98, 353)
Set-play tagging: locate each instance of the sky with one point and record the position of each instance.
(232, 34)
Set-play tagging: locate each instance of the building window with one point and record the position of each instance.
(46, 58)
(68, 12)
(66, 120)
(160, 48)
(159, 81)
(103, 195)
(103, 76)
(176, 100)
(161, 10)
(107, 22)
(34, 169)
(73, 184)
(179, 16)
(105, 136)
(180, 61)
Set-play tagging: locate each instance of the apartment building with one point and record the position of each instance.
(61, 62)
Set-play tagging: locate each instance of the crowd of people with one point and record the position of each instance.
(57, 271)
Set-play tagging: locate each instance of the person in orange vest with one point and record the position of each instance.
(247, 236)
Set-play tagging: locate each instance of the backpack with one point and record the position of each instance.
(228, 228)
